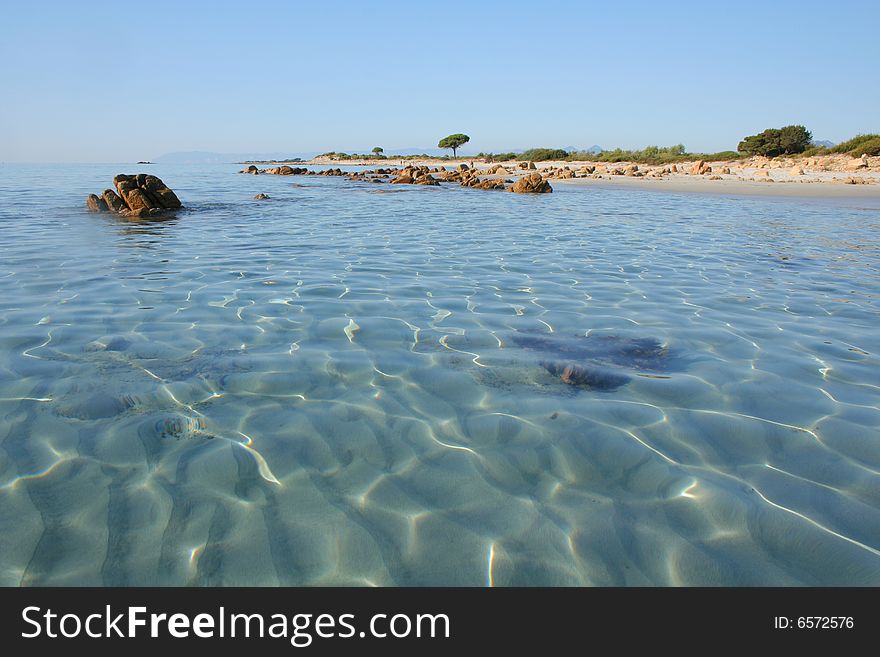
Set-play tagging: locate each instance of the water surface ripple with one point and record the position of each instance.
(333, 387)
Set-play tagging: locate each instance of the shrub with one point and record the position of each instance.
(869, 147)
(852, 144)
(498, 157)
(814, 151)
(721, 156)
(541, 154)
(777, 141)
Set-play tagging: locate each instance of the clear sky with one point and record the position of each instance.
(123, 81)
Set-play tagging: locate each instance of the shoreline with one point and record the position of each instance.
(732, 187)
(828, 177)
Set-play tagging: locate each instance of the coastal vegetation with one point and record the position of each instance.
(790, 140)
(868, 144)
(647, 155)
(454, 142)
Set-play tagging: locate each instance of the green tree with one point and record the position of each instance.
(777, 141)
(453, 142)
(378, 150)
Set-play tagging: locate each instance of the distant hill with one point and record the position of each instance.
(595, 150)
(207, 157)
(823, 142)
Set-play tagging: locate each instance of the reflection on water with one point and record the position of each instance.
(441, 386)
(144, 233)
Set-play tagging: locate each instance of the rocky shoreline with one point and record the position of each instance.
(530, 183)
(815, 171)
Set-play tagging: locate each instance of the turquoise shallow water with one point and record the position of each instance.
(340, 386)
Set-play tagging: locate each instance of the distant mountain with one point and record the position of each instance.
(206, 157)
(595, 150)
(823, 142)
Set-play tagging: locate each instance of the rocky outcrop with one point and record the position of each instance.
(136, 196)
(531, 184)
(486, 183)
(699, 168)
(261, 197)
(283, 170)
(418, 176)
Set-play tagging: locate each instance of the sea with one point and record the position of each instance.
(366, 384)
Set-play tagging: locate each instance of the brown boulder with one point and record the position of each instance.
(531, 184)
(487, 183)
(161, 193)
(135, 197)
(699, 168)
(114, 203)
(96, 204)
(134, 194)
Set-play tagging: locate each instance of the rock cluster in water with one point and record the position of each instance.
(136, 196)
(422, 175)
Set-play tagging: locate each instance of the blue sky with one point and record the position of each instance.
(111, 81)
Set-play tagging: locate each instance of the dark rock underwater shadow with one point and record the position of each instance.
(569, 364)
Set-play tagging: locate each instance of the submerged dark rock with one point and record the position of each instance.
(595, 362)
(585, 376)
(635, 353)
